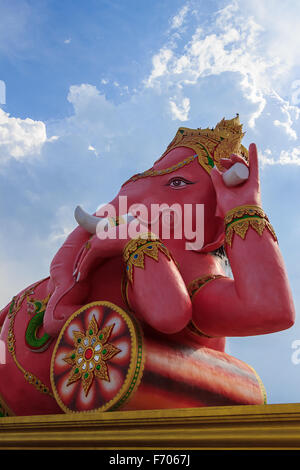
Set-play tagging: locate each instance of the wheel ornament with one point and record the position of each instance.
(97, 362)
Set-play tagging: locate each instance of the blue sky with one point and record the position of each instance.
(96, 90)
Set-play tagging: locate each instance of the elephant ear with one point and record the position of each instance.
(218, 238)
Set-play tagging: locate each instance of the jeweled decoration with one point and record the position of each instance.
(91, 354)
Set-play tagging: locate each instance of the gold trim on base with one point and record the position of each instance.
(261, 427)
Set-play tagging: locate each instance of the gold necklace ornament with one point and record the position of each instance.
(15, 306)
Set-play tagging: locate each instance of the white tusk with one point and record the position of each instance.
(236, 175)
(92, 224)
(87, 221)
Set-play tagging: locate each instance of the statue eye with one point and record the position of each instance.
(178, 182)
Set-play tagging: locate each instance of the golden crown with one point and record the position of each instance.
(209, 145)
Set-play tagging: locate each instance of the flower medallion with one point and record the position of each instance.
(90, 356)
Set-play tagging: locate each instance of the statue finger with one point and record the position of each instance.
(253, 162)
(226, 163)
(235, 158)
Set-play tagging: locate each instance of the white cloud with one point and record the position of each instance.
(290, 158)
(280, 21)
(80, 95)
(291, 114)
(177, 20)
(231, 43)
(287, 127)
(286, 157)
(20, 138)
(181, 110)
(30, 259)
(160, 62)
(67, 41)
(61, 227)
(53, 138)
(92, 149)
(94, 117)
(228, 47)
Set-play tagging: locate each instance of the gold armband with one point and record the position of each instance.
(194, 287)
(124, 291)
(136, 249)
(239, 219)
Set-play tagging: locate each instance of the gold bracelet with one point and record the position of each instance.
(241, 211)
(136, 249)
(193, 288)
(195, 285)
(124, 291)
(239, 219)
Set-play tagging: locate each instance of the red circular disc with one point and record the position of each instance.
(97, 362)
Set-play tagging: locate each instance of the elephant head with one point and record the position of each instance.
(180, 178)
(178, 182)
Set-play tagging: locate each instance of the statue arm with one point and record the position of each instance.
(62, 279)
(156, 291)
(258, 300)
(158, 295)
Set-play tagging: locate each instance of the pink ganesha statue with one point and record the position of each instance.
(139, 300)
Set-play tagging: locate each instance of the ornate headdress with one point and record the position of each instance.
(209, 145)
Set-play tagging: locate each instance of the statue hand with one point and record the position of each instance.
(97, 249)
(247, 193)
